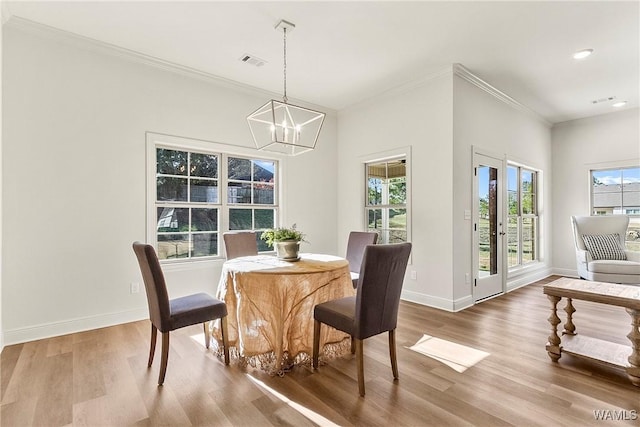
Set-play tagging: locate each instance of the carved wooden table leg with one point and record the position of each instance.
(569, 327)
(633, 371)
(553, 346)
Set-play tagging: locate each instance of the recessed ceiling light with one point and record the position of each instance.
(581, 54)
(619, 104)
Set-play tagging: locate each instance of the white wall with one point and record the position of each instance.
(3, 18)
(73, 166)
(419, 116)
(487, 122)
(609, 140)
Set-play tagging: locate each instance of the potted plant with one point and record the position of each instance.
(286, 241)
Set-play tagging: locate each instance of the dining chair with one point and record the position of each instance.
(168, 315)
(358, 240)
(240, 243)
(373, 310)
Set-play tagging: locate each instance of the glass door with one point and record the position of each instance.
(488, 227)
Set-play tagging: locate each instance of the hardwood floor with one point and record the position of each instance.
(100, 377)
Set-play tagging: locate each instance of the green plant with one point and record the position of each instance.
(281, 234)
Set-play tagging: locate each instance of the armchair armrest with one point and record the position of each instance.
(633, 256)
(583, 257)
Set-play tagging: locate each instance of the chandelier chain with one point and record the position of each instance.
(285, 66)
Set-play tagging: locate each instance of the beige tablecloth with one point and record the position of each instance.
(270, 304)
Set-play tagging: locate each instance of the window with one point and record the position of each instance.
(522, 225)
(615, 192)
(386, 199)
(191, 215)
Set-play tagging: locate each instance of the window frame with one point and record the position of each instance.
(634, 218)
(224, 152)
(520, 217)
(386, 156)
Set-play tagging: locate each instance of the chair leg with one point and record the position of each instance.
(360, 363)
(392, 353)
(225, 339)
(316, 342)
(165, 357)
(152, 349)
(207, 335)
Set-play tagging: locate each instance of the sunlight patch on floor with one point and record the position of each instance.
(456, 356)
(313, 416)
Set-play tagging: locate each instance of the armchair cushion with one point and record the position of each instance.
(603, 266)
(604, 246)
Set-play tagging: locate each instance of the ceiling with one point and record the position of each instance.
(342, 53)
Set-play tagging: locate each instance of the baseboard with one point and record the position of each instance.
(428, 300)
(567, 272)
(528, 277)
(48, 330)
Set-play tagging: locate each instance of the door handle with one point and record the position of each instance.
(502, 233)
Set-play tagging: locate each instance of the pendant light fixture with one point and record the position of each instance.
(282, 127)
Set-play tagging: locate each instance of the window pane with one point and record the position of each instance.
(375, 219)
(265, 218)
(171, 189)
(633, 234)
(239, 169)
(528, 239)
(528, 204)
(204, 219)
(171, 162)
(204, 165)
(398, 219)
(171, 246)
(512, 241)
(512, 189)
(263, 170)
(204, 190)
(374, 193)
(238, 192)
(240, 219)
(205, 244)
(398, 191)
(263, 194)
(262, 245)
(173, 219)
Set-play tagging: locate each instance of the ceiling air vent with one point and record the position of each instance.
(252, 60)
(601, 100)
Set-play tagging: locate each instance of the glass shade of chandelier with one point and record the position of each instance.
(281, 127)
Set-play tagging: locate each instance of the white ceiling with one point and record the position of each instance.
(341, 53)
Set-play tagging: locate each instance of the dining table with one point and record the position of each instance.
(270, 306)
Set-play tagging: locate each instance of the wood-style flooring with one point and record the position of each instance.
(100, 377)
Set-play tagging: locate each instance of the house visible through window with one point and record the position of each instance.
(617, 192)
(386, 199)
(191, 215)
(522, 229)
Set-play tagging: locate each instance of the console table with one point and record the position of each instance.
(627, 296)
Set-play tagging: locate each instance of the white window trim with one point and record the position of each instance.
(383, 156)
(521, 268)
(154, 140)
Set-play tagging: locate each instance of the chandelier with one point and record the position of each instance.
(281, 127)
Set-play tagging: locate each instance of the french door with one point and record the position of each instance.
(488, 228)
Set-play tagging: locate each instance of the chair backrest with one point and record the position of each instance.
(154, 284)
(242, 243)
(604, 224)
(358, 240)
(381, 277)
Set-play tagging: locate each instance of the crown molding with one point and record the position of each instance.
(462, 72)
(93, 45)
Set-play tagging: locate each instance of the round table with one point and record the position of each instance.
(270, 304)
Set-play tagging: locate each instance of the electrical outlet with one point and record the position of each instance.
(467, 278)
(135, 287)
(414, 275)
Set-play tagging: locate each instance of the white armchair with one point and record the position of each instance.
(605, 270)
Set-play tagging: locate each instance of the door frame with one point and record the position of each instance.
(501, 241)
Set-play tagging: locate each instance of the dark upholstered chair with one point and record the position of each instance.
(374, 309)
(358, 240)
(242, 243)
(168, 315)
